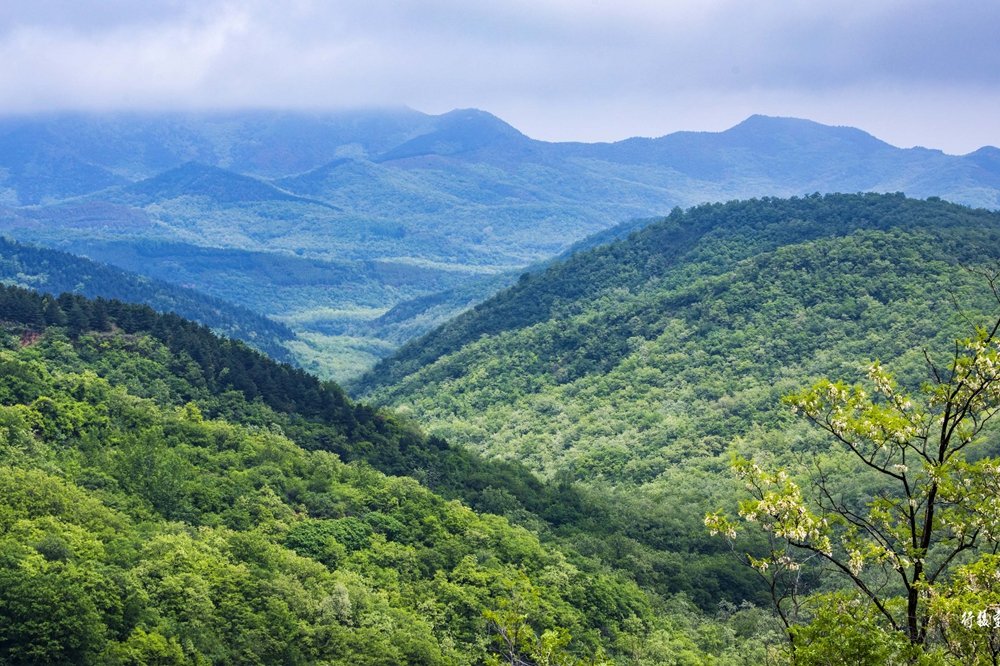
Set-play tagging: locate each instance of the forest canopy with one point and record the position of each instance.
(156, 508)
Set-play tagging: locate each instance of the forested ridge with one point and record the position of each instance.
(701, 242)
(642, 369)
(157, 507)
(58, 272)
(625, 360)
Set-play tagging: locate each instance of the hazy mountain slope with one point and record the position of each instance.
(988, 159)
(412, 318)
(462, 192)
(285, 285)
(219, 186)
(263, 143)
(57, 272)
(462, 132)
(724, 233)
(38, 168)
(802, 156)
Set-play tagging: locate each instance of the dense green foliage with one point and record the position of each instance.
(912, 546)
(627, 376)
(336, 306)
(156, 508)
(641, 367)
(58, 272)
(705, 242)
(169, 497)
(318, 416)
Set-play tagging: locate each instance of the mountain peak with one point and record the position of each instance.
(459, 131)
(770, 135)
(478, 119)
(763, 120)
(800, 128)
(987, 157)
(198, 179)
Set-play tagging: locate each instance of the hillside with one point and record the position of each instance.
(462, 195)
(192, 179)
(412, 318)
(159, 506)
(639, 368)
(57, 272)
(680, 252)
(329, 303)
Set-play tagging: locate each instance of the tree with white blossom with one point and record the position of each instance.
(908, 551)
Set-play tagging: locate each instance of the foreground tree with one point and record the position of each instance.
(932, 508)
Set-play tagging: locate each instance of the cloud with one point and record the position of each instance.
(57, 63)
(525, 56)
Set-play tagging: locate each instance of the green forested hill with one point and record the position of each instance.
(200, 180)
(671, 264)
(170, 497)
(640, 367)
(57, 272)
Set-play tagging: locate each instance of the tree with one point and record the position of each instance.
(934, 505)
(53, 314)
(47, 614)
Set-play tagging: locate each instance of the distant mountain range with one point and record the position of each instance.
(447, 200)
(56, 157)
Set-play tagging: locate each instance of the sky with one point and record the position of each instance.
(911, 72)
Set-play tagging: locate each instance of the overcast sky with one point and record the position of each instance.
(912, 72)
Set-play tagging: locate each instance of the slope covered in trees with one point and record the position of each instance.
(628, 377)
(170, 497)
(669, 264)
(909, 528)
(58, 272)
(641, 367)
